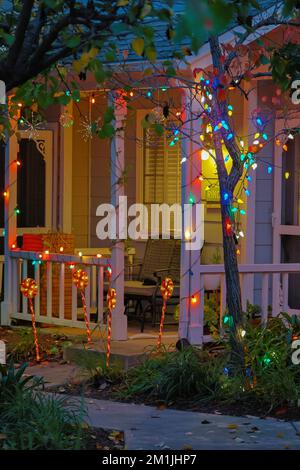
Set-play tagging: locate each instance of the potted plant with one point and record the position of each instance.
(213, 281)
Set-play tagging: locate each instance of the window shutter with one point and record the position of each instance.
(173, 172)
(161, 169)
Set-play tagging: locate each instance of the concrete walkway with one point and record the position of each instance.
(149, 428)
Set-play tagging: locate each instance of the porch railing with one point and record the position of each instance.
(272, 286)
(43, 266)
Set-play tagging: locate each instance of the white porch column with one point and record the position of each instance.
(119, 320)
(10, 225)
(191, 286)
(249, 256)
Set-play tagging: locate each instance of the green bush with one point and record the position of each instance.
(35, 421)
(175, 376)
(13, 381)
(30, 419)
(268, 378)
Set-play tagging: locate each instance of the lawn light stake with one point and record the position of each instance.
(166, 290)
(29, 289)
(81, 281)
(111, 300)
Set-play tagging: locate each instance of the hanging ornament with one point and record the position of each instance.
(156, 116)
(32, 126)
(66, 120)
(166, 290)
(81, 281)
(111, 304)
(86, 129)
(29, 289)
(89, 128)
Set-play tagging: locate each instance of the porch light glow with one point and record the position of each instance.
(46, 252)
(99, 255)
(204, 155)
(193, 299)
(61, 249)
(80, 253)
(286, 175)
(13, 246)
(93, 100)
(5, 194)
(187, 234)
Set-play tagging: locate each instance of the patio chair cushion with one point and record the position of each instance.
(137, 288)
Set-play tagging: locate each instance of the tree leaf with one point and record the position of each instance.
(138, 45)
(151, 53)
(73, 41)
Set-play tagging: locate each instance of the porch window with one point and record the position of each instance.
(30, 186)
(162, 169)
(161, 172)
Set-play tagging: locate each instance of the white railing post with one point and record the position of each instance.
(276, 285)
(38, 296)
(62, 291)
(24, 275)
(119, 320)
(285, 291)
(264, 297)
(49, 289)
(222, 299)
(10, 226)
(100, 285)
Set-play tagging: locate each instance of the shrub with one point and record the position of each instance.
(36, 421)
(13, 381)
(30, 419)
(268, 379)
(175, 376)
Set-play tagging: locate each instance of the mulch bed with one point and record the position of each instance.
(20, 345)
(108, 391)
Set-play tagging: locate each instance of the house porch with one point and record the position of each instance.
(84, 173)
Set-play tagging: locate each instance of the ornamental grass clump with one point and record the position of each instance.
(31, 419)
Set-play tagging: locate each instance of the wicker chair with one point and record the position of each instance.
(161, 259)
